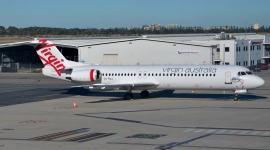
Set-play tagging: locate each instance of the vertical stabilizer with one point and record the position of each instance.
(51, 57)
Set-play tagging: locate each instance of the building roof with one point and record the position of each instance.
(75, 43)
(185, 39)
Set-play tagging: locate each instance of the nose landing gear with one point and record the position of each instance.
(236, 98)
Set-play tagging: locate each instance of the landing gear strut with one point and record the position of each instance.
(144, 94)
(236, 98)
(128, 96)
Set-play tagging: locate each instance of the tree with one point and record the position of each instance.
(2, 30)
(11, 30)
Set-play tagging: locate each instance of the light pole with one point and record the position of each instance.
(249, 44)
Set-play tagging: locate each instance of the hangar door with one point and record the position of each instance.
(110, 59)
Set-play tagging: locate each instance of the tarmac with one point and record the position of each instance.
(37, 112)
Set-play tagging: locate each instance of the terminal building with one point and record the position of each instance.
(218, 49)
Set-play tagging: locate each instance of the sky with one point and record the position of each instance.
(127, 13)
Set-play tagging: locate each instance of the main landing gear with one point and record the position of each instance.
(144, 94)
(129, 95)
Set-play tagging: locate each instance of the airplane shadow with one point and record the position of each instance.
(118, 95)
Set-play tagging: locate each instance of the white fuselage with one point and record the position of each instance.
(178, 77)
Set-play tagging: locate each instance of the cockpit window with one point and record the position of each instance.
(249, 73)
(242, 73)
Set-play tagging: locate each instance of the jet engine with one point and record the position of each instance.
(91, 75)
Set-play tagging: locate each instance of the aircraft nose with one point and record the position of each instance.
(259, 82)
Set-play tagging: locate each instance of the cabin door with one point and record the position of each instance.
(228, 79)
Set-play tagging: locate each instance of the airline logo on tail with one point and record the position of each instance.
(46, 52)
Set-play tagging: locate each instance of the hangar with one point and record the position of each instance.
(139, 51)
(218, 49)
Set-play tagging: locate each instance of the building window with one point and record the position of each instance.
(259, 47)
(218, 50)
(227, 63)
(238, 49)
(227, 49)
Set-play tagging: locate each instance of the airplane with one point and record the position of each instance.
(143, 77)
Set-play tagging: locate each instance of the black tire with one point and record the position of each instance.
(144, 94)
(128, 96)
(236, 99)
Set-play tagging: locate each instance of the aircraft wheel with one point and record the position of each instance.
(236, 98)
(144, 94)
(128, 96)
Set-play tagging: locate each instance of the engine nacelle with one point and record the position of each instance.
(91, 75)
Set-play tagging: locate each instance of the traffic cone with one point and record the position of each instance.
(74, 105)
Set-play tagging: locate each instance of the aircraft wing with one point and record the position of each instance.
(121, 86)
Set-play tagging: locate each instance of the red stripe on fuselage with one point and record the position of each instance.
(92, 75)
